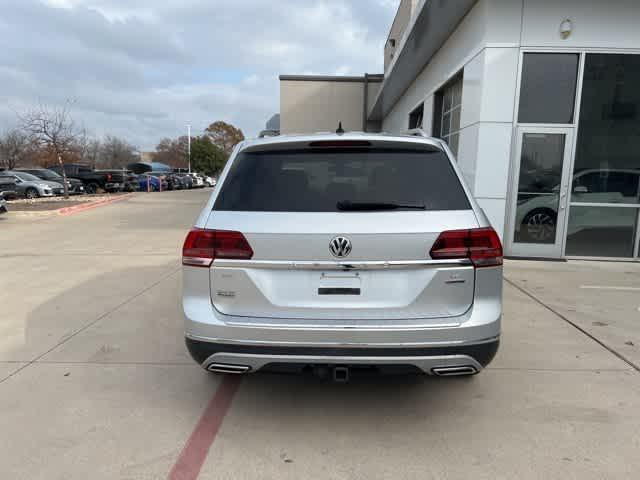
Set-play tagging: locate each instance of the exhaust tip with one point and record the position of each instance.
(228, 368)
(454, 371)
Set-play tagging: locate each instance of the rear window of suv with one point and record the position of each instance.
(317, 180)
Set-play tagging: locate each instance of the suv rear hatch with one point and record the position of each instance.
(279, 211)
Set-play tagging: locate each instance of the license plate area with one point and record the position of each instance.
(339, 283)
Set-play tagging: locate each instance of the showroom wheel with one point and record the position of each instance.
(31, 193)
(540, 226)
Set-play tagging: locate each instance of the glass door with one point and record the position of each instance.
(540, 200)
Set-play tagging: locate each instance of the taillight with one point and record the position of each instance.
(480, 245)
(108, 177)
(202, 246)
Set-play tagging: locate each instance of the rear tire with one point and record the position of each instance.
(92, 188)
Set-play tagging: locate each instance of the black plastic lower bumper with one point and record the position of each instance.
(483, 353)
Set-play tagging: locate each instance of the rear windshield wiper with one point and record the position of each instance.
(346, 205)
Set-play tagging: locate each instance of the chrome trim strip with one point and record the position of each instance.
(342, 344)
(343, 265)
(357, 324)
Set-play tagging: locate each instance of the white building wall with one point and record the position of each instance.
(596, 23)
(486, 47)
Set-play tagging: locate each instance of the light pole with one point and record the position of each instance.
(189, 146)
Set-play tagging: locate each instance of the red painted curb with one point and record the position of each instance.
(195, 451)
(89, 205)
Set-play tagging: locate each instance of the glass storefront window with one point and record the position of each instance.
(606, 186)
(601, 231)
(548, 87)
(607, 164)
(451, 108)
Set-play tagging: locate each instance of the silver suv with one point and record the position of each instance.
(342, 252)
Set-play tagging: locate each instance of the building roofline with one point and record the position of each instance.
(428, 30)
(371, 77)
(395, 17)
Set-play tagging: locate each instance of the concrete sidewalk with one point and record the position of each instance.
(95, 381)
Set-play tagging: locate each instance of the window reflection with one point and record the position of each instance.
(548, 90)
(538, 187)
(601, 231)
(607, 164)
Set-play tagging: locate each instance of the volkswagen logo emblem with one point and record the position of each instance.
(340, 247)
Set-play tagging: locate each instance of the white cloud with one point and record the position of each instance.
(144, 69)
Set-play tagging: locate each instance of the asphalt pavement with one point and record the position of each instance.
(95, 381)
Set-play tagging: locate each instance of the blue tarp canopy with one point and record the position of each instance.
(161, 167)
(142, 167)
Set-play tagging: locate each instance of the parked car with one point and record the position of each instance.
(30, 186)
(198, 181)
(395, 265)
(93, 180)
(8, 187)
(536, 215)
(3, 204)
(174, 181)
(179, 182)
(187, 179)
(119, 180)
(210, 181)
(151, 182)
(74, 186)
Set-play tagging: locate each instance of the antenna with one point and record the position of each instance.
(340, 130)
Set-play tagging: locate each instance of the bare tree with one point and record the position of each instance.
(116, 153)
(53, 128)
(172, 151)
(93, 152)
(82, 143)
(15, 146)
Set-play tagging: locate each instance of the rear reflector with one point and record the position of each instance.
(202, 247)
(339, 143)
(480, 245)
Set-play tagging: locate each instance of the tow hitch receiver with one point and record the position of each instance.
(341, 374)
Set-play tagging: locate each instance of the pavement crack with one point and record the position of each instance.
(573, 324)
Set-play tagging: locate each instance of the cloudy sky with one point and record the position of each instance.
(143, 69)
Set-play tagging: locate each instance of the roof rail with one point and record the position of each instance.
(416, 132)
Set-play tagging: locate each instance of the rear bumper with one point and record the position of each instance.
(470, 339)
(429, 360)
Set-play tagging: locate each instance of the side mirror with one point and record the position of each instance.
(580, 189)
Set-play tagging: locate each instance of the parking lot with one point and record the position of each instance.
(95, 381)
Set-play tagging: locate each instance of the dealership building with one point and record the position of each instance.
(538, 99)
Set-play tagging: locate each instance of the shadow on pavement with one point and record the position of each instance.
(51, 324)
